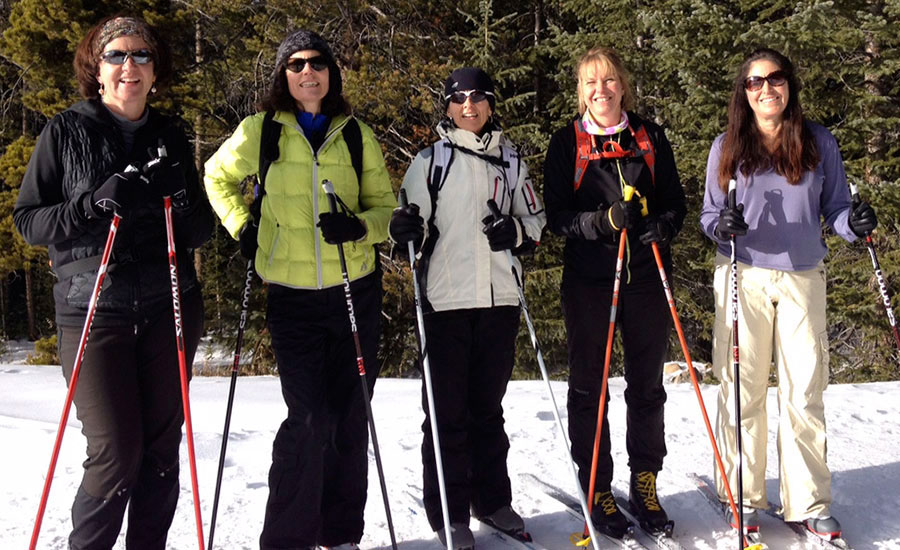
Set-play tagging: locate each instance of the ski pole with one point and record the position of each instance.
(182, 359)
(76, 370)
(332, 201)
(235, 366)
(627, 195)
(687, 357)
(882, 284)
(546, 376)
(429, 388)
(736, 365)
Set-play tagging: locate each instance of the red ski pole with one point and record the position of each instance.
(629, 192)
(76, 369)
(687, 357)
(182, 360)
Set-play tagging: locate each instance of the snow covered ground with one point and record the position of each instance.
(863, 453)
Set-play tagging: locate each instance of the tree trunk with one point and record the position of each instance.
(536, 81)
(198, 132)
(875, 145)
(29, 303)
(4, 308)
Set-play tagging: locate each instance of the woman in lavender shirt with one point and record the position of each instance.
(790, 176)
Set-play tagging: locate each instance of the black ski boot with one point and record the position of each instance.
(645, 504)
(507, 520)
(607, 517)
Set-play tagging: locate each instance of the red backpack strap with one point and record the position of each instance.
(644, 143)
(584, 143)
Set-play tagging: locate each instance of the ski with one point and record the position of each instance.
(662, 538)
(801, 530)
(754, 537)
(574, 509)
(519, 541)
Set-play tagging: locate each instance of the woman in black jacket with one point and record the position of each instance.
(82, 171)
(585, 203)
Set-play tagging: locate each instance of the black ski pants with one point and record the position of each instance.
(471, 354)
(318, 478)
(128, 399)
(643, 321)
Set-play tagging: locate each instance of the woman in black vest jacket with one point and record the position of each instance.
(586, 204)
(128, 396)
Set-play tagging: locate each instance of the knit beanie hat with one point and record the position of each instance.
(303, 39)
(469, 78)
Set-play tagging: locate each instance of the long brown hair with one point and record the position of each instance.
(744, 145)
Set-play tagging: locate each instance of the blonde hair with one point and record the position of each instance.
(605, 61)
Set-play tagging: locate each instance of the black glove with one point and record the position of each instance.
(656, 230)
(120, 193)
(504, 232)
(166, 179)
(620, 215)
(407, 225)
(862, 219)
(248, 240)
(340, 228)
(731, 222)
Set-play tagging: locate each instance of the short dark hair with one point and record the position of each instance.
(278, 97)
(87, 55)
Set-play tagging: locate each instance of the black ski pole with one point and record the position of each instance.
(520, 286)
(429, 389)
(882, 284)
(736, 365)
(235, 367)
(332, 202)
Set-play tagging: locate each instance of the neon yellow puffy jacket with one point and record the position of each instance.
(291, 249)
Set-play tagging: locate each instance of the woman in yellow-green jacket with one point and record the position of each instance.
(317, 482)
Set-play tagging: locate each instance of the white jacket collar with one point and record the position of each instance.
(488, 143)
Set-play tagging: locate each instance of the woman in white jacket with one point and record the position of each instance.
(471, 300)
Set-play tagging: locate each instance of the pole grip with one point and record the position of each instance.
(329, 191)
(732, 193)
(628, 193)
(854, 195)
(495, 210)
(404, 202)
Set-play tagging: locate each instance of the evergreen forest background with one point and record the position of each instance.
(395, 55)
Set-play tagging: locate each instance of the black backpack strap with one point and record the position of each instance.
(353, 139)
(268, 153)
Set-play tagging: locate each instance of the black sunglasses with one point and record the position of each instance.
(477, 96)
(296, 64)
(118, 57)
(754, 83)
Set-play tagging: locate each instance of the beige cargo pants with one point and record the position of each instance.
(781, 320)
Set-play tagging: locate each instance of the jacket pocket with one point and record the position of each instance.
(274, 246)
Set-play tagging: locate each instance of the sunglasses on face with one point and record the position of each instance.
(755, 83)
(118, 57)
(296, 64)
(477, 96)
